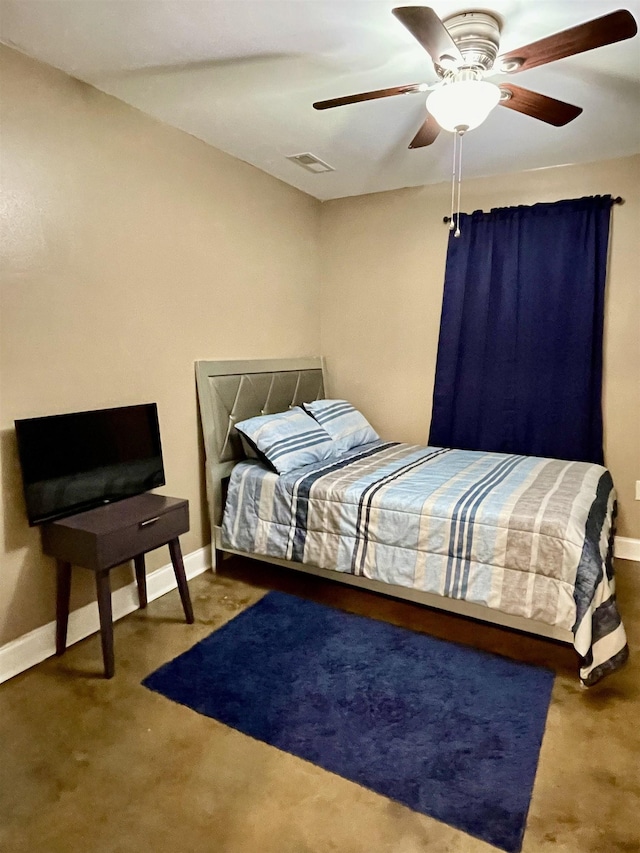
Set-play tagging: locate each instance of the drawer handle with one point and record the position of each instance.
(149, 522)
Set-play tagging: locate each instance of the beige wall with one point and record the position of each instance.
(129, 250)
(383, 261)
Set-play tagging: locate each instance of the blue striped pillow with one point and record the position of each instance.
(346, 425)
(288, 440)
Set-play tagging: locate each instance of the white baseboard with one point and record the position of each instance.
(627, 549)
(37, 645)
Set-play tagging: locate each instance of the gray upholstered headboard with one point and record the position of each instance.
(230, 391)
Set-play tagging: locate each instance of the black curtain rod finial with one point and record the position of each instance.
(617, 200)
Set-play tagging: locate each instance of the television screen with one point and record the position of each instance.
(74, 462)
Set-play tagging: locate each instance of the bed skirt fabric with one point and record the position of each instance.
(524, 535)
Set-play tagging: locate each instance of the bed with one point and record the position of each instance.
(521, 542)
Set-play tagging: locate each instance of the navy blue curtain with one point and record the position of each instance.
(519, 367)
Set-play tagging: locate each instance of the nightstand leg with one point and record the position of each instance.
(62, 604)
(141, 578)
(103, 589)
(181, 578)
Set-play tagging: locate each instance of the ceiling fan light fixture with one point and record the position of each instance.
(463, 104)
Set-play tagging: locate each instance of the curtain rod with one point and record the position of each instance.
(617, 200)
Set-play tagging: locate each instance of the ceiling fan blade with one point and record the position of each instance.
(370, 96)
(425, 26)
(611, 28)
(557, 113)
(427, 134)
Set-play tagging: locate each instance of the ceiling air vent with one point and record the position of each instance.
(310, 162)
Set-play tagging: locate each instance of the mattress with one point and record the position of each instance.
(524, 535)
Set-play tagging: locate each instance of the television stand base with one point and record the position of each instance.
(102, 538)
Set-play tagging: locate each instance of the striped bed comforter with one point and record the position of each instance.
(524, 535)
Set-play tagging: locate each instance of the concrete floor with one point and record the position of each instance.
(98, 766)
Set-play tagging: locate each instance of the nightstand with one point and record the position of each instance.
(107, 536)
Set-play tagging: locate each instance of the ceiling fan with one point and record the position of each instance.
(464, 50)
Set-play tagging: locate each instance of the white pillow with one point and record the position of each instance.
(345, 424)
(287, 440)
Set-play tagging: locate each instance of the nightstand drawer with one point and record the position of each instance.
(143, 535)
(113, 534)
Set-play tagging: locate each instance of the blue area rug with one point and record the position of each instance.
(444, 729)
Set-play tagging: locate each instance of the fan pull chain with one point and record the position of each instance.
(452, 223)
(460, 134)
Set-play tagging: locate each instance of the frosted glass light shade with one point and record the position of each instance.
(463, 104)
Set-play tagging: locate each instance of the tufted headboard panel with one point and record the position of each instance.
(231, 391)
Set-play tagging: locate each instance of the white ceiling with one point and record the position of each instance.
(242, 75)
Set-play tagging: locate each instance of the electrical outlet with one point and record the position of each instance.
(638, 490)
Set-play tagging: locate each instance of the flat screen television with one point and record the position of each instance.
(75, 462)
